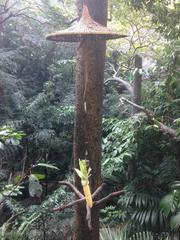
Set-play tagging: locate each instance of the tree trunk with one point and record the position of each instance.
(137, 83)
(137, 100)
(88, 118)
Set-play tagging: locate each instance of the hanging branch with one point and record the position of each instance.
(117, 79)
(165, 129)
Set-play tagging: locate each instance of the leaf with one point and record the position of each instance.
(23, 227)
(35, 188)
(167, 203)
(12, 141)
(17, 178)
(154, 217)
(79, 173)
(39, 176)
(106, 161)
(46, 165)
(175, 221)
(12, 190)
(175, 185)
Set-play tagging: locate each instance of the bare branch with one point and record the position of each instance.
(98, 190)
(5, 19)
(32, 18)
(71, 204)
(127, 85)
(117, 79)
(167, 130)
(108, 197)
(73, 188)
(95, 203)
(9, 11)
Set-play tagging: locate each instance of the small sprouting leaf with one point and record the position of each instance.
(89, 171)
(46, 165)
(79, 173)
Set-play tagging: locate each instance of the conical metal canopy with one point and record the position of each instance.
(85, 28)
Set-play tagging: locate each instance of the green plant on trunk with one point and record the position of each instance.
(84, 174)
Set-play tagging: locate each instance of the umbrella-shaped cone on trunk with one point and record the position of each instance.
(85, 28)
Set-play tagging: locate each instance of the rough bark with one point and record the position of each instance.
(88, 118)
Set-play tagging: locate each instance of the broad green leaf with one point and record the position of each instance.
(39, 176)
(35, 188)
(166, 204)
(175, 221)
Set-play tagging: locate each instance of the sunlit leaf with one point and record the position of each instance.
(47, 166)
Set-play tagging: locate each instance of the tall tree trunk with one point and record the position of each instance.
(88, 118)
(137, 100)
(137, 83)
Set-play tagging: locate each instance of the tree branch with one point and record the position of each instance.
(127, 85)
(73, 188)
(82, 199)
(115, 78)
(71, 204)
(9, 12)
(108, 197)
(165, 129)
(98, 190)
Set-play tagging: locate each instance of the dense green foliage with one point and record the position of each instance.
(37, 117)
